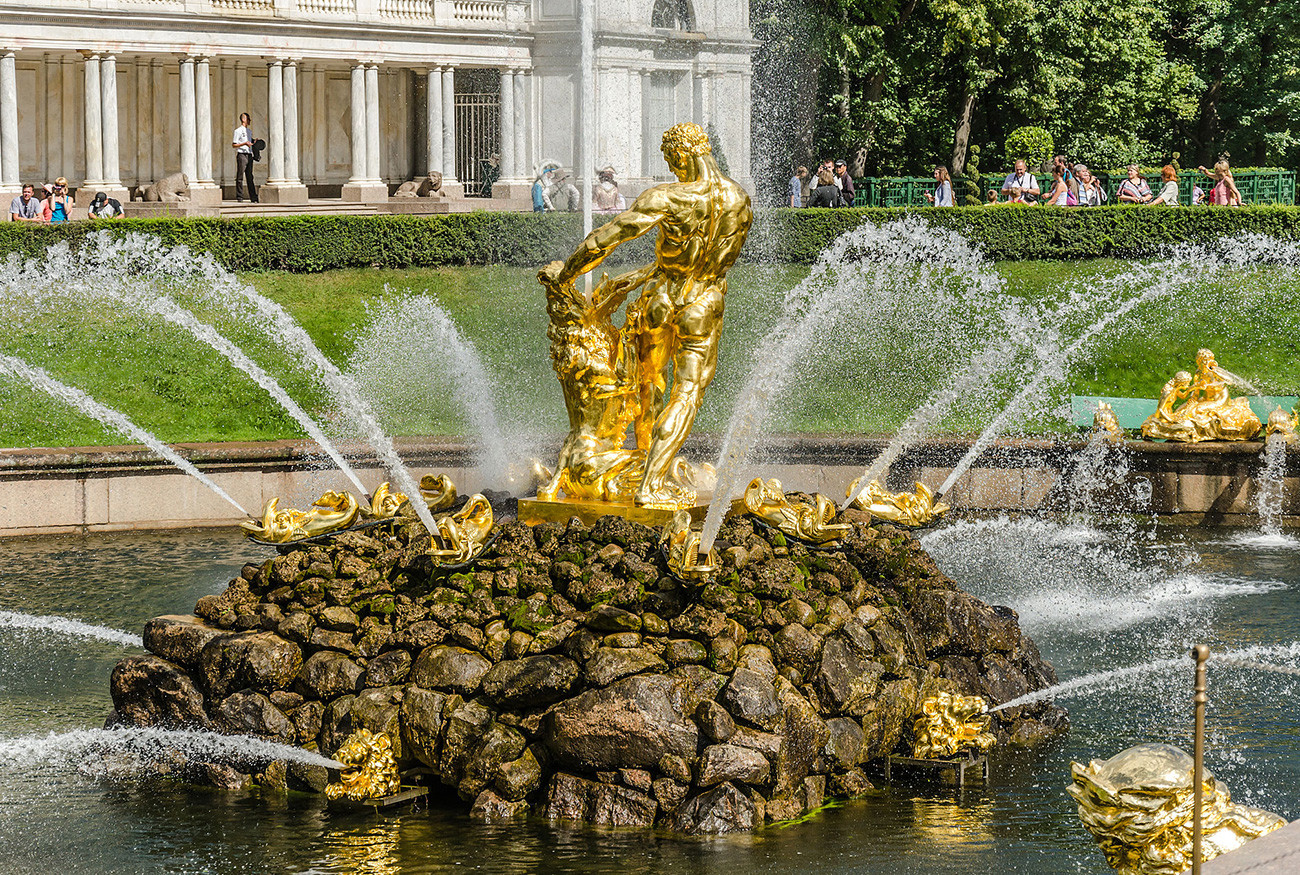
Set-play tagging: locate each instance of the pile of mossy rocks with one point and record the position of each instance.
(566, 672)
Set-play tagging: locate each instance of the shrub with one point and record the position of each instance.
(306, 244)
(1033, 144)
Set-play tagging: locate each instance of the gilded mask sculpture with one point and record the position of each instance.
(462, 535)
(1105, 423)
(1138, 807)
(1198, 408)
(766, 500)
(949, 725)
(618, 379)
(439, 493)
(384, 503)
(1282, 425)
(369, 772)
(329, 513)
(681, 547)
(917, 508)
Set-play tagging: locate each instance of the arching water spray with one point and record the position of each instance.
(1103, 681)
(79, 749)
(1166, 278)
(437, 353)
(1272, 486)
(67, 626)
(868, 269)
(38, 379)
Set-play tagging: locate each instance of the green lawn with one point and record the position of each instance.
(864, 374)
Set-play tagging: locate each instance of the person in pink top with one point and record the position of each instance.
(1225, 192)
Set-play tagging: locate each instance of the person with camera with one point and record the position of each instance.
(1022, 179)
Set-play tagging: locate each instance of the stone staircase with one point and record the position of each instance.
(315, 207)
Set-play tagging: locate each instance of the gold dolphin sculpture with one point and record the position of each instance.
(329, 513)
(681, 546)
(1104, 422)
(917, 508)
(461, 536)
(1282, 424)
(384, 503)
(438, 492)
(766, 500)
(369, 772)
(949, 724)
(1138, 807)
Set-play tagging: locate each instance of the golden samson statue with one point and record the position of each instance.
(615, 379)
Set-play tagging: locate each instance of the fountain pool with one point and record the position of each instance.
(1128, 595)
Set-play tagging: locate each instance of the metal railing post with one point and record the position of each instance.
(1201, 653)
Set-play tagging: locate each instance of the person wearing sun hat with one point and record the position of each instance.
(605, 196)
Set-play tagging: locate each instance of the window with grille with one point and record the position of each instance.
(672, 15)
(478, 127)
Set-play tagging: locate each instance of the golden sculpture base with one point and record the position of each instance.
(561, 510)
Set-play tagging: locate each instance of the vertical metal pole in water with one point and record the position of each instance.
(1201, 653)
(587, 110)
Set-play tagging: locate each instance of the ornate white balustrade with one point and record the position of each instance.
(244, 5)
(406, 10)
(479, 10)
(328, 7)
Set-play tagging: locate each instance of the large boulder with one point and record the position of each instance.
(721, 810)
(531, 682)
(148, 691)
(179, 639)
(250, 713)
(328, 674)
(574, 798)
(261, 660)
(449, 668)
(633, 723)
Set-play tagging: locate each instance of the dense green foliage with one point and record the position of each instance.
(899, 86)
(309, 244)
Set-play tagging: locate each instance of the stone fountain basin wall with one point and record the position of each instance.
(566, 674)
(104, 489)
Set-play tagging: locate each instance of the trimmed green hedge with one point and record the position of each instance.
(305, 244)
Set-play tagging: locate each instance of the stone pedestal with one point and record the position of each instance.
(518, 193)
(365, 192)
(202, 195)
(561, 510)
(291, 193)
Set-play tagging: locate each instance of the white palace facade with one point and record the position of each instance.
(355, 97)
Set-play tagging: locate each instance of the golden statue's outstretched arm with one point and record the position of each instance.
(642, 217)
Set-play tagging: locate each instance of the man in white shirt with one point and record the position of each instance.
(242, 141)
(1023, 180)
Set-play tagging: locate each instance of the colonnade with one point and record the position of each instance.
(194, 105)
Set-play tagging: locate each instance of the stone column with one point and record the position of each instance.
(112, 181)
(108, 120)
(359, 187)
(291, 144)
(9, 182)
(372, 124)
(275, 122)
(203, 120)
(189, 153)
(507, 145)
(433, 120)
(68, 142)
(94, 131)
(449, 128)
(523, 167)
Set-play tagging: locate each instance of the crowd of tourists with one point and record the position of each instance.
(51, 203)
(1070, 186)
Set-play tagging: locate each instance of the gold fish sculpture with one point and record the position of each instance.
(681, 546)
(438, 492)
(369, 772)
(916, 508)
(1283, 425)
(385, 503)
(766, 500)
(1198, 408)
(329, 513)
(950, 724)
(461, 536)
(1138, 807)
(1105, 423)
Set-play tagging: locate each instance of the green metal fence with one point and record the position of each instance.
(1277, 187)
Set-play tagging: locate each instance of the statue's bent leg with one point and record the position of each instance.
(693, 370)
